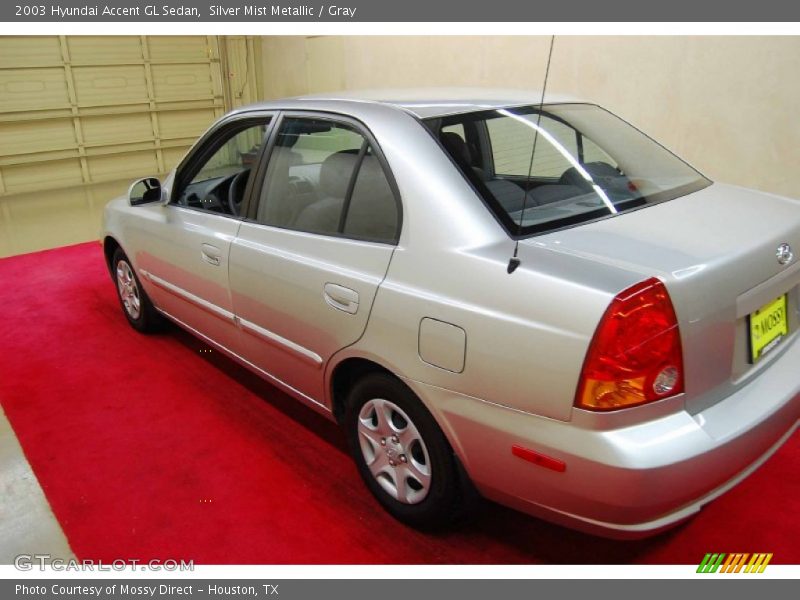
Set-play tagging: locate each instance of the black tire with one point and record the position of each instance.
(445, 498)
(146, 318)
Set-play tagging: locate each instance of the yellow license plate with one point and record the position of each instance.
(768, 326)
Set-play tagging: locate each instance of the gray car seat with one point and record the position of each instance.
(509, 195)
(372, 213)
(323, 215)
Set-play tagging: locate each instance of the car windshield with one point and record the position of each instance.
(541, 169)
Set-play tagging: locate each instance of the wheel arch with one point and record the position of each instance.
(351, 367)
(110, 245)
(343, 376)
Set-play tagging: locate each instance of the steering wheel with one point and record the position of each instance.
(236, 191)
(212, 202)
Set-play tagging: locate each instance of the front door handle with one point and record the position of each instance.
(211, 254)
(341, 298)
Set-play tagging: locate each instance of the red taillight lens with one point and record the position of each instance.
(635, 356)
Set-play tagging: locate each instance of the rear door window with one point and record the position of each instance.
(324, 177)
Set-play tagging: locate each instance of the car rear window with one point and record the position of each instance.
(544, 168)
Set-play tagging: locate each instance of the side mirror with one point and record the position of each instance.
(144, 191)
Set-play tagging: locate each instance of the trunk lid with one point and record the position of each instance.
(716, 251)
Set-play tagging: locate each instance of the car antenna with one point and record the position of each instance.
(515, 262)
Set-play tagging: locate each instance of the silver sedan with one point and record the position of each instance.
(490, 291)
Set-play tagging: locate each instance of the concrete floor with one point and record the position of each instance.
(27, 525)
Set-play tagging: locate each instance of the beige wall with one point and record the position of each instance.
(726, 104)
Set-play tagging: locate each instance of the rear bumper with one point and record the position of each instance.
(628, 481)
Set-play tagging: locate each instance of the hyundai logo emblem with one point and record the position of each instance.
(784, 254)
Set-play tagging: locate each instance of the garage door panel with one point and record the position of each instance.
(32, 89)
(172, 156)
(76, 111)
(103, 192)
(95, 49)
(42, 175)
(122, 148)
(100, 86)
(184, 123)
(37, 157)
(35, 51)
(182, 48)
(132, 164)
(113, 129)
(182, 82)
(194, 104)
(26, 137)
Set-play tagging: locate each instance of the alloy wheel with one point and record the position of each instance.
(128, 290)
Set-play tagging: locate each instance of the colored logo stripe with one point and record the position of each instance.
(760, 562)
(710, 563)
(734, 563)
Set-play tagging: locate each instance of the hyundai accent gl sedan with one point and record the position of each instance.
(489, 291)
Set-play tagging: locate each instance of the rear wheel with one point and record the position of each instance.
(136, 306)
(401, 454)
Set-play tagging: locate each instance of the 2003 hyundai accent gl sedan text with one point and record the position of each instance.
(636, 359)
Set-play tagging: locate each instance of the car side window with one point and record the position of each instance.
(217, 184)
(372, 211)
(323, 177)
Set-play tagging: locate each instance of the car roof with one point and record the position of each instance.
(422, 102)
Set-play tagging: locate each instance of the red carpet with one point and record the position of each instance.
(153, 447)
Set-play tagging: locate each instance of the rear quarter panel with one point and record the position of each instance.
(526, 333)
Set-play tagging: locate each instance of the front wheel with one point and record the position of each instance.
(138, 309)
(401, 454)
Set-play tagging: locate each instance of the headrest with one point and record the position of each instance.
(456, 146)
(335, 173)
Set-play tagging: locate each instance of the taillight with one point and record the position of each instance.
(635, 355)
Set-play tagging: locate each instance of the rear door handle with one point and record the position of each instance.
(211, 254)
(341, 298)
